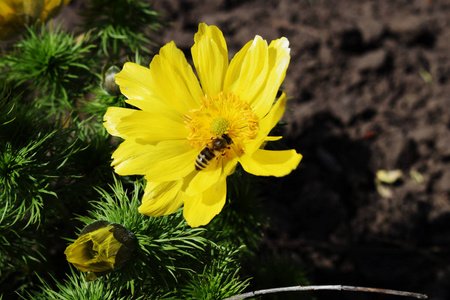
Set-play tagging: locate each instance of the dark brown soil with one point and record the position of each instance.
(369, 87)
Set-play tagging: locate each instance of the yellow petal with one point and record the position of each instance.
(228, 167)
(113, 117)
(272, 138)
(278, 63)
(246, 75)
(212, 174)
(94, 251)
(134, 84)
(162, 198)
(173, 79)
(267, 124)
(132, 158)
(176, 166)
(97, 266)
(165, 161)
(134, 81)
(200, 208)
(270, 163)
(100, 235)
(14, 15)
(51, 9)
(32, 9)
(78, 251)
(143, 125)
(234, 69)
(7, 7)
(205, 178)
(389, 176)
(210, 56)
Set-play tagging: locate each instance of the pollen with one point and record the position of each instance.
(219, 126)
(223, 114)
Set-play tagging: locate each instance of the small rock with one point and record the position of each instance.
(443, 183)
(407, 25)
(372, 61)
(392, 143)
(413, 30)
(325, 55)
(371, 29)
(344, 107)
(422, 134)
(443, 145)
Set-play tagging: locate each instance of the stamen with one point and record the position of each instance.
(224, 114)
(219, 126)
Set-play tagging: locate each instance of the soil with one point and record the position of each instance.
(369, 90)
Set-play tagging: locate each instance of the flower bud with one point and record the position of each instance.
(109, 84)
(101, 248)
(16, 14)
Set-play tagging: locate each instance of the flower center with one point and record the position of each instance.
(219, 126)
(224, 114)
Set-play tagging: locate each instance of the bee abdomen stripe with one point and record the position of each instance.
(203, 159)
(207, 154)
(200, 165)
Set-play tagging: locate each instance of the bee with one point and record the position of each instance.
(209, 152)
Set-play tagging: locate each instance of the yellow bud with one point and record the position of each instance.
(101, 248)
(32, 10)
(52, 9)
(16, 14)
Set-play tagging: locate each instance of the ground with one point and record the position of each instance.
(369, 90)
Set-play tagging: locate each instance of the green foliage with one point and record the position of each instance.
(93, 162)
(240, 222)
(171, 257)
(77, 288)
(47, 169)
(33, 161)
(219, 278)
(31, 154)
(121, 26)
(98, 105)
(52, 65)
(161, 240)
(56, 178)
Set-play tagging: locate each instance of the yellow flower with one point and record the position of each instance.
(101, 248)
(232, 107)
(15, 14)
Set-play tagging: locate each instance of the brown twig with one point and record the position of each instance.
(300, 288)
